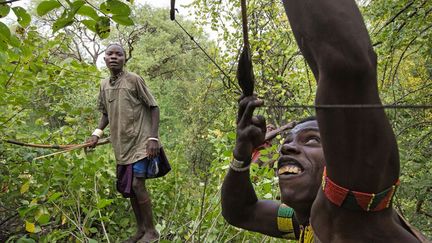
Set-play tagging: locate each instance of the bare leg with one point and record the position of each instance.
(139, 220)
(145, 209)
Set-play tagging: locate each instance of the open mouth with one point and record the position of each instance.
(290, 168)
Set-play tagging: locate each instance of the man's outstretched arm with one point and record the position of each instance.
(358, 143)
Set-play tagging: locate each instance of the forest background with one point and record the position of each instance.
(49, 81)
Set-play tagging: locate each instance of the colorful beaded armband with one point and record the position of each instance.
(354, 200)
(284, 221)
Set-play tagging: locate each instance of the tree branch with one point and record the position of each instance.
(395, 16)
(9, 1)
(13, 73)
(14, 115)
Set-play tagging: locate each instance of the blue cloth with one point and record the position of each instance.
(146, 168)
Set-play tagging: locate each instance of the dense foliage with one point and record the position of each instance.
(49, 78)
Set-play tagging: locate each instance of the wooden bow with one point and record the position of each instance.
(63, 148)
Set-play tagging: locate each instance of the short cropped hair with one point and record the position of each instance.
(116, 44)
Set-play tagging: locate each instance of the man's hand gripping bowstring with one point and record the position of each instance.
(251, 129)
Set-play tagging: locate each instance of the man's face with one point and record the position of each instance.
(301, 164)
(114, 58)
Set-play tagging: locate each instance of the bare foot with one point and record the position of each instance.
(149, 237)
(133, 239)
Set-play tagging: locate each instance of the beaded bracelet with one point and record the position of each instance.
(237, 165)
(243, 169)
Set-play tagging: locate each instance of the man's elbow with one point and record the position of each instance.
(232, 218)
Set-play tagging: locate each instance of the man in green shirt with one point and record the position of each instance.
(131, 111)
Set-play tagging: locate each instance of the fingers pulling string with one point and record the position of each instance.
(246, 110)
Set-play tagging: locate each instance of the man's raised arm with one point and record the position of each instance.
(358, 143)
(240, 205)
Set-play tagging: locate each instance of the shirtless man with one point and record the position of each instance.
(360, 149)
(357, 146)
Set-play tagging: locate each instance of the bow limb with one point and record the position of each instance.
(54, 146)
(172, 11)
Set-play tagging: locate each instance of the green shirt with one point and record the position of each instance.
(127, 103)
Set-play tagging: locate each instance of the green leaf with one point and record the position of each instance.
(231, 135)
(14, 41)
(123, 20)
(3, 59)
(46, 6)
(93, 230)
(77, 3)
(25, 187)
(4, 10)
(43, 219)
(124, 222)
(88, 11)
(103, 27)
(90, 24)
(227, 153)
(61, 23)
(3, 46)
(264, 152)
(103, 203)
(115, 7)
(22, 15)
(75, 7)
(4, 32)
(54, 196)
(23, 211)
(24, 239)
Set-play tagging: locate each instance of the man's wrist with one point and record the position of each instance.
(153, 139)
(241, 156)
(239, 166)
(98, 133)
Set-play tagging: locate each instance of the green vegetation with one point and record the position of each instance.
(49, 84)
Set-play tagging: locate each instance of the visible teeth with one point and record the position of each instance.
(293, 169)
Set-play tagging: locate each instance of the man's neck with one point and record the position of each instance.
(302, 214)
(115, 72)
